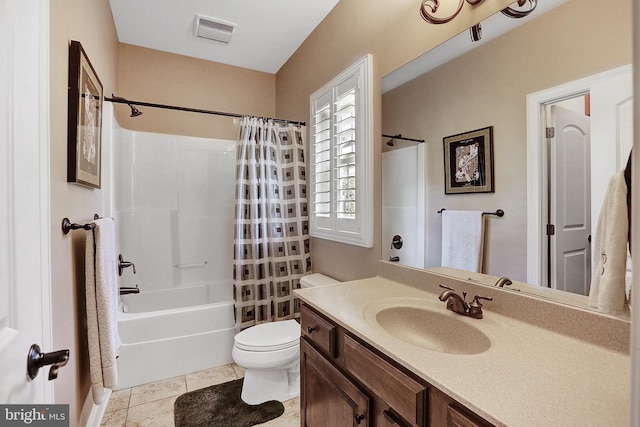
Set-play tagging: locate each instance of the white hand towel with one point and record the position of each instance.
(462, 239)
(607, 291)
(102, 306)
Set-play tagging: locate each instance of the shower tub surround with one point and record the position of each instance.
(173, 203)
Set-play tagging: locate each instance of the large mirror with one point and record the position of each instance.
(513, 82)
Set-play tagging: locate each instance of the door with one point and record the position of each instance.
(611, 136)
(570, 204)
(24, 207)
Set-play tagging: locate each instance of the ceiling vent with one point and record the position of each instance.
(214, 29)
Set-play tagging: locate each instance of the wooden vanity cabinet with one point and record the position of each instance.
(328, 397)
(345, 382)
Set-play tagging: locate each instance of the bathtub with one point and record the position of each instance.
(166, 333)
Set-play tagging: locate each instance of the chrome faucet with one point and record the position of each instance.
(458, 304)
(503, 281)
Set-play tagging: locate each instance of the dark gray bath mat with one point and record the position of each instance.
(221, 405)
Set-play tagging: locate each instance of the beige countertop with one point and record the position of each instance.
(529, 376)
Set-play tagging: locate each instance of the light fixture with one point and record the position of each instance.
(429, 9)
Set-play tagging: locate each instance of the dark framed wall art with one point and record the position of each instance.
(468, 162)
(84, 120)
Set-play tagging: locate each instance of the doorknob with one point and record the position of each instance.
(36, 360)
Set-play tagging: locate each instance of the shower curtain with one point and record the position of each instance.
(271, 236)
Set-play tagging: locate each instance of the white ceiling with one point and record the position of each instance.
(266, 35)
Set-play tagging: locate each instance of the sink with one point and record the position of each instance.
(429, 329)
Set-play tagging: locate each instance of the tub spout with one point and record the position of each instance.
(129, 290)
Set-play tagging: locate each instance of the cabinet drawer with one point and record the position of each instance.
(457, 417)
(405, 395)
(320, 331)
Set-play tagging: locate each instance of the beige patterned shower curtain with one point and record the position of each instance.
(271, 236)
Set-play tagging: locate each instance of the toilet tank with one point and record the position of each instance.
(316, 279)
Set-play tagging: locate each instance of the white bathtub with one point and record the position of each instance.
(164, 334)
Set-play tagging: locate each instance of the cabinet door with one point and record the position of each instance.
(328, 398)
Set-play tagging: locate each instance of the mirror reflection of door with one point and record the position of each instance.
(569, 230)
(612, 137)
(567, 265)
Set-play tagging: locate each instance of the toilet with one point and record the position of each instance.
(270, 354)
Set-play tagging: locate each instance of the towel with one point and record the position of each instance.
(608, 291)
(462, 240)
(102, 306)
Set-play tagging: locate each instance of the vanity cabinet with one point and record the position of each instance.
(345, 382)
(329, 398)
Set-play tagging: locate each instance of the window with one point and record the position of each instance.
(341, 158)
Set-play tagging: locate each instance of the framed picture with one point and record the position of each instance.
(84, 120)
(468, 162)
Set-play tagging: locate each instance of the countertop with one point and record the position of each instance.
(529, 376)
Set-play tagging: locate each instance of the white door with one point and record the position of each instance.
(570, 204)
(24, 205)
(611, 137)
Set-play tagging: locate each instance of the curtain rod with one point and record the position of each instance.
(399, 136)
(121, 100)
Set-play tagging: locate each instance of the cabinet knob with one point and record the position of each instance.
(310, 329)
(358, 418)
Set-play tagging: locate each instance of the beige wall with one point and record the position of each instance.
(89, 22)
(143, 75)
(394, 33)
(488, 87)
(164, 78)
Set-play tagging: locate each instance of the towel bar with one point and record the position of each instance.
(499, 212)
(67, 225)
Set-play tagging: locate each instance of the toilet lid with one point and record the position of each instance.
(269, 336)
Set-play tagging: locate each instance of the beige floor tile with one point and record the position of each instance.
(202, 379)
(119, 400)
(290, 418)
(157, 390)
(158, 413)
(239, 370)
(152, 404)
(115, 418)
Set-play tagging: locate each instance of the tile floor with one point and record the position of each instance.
(152, 404)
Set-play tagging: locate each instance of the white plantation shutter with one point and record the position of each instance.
(341, 158)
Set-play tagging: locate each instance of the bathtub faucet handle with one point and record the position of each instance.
(122, 264)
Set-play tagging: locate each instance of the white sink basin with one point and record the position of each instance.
(429, 328)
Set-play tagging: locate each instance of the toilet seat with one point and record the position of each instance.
(269, 336)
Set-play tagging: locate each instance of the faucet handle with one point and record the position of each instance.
(446, 287)
(476, 301)
(475, 307)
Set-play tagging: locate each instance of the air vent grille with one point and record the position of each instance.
(214, 29)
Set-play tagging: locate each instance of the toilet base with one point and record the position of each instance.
(262, 385)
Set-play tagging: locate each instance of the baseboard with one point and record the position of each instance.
(92, 414)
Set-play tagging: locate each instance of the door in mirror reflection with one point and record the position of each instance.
(569, 236)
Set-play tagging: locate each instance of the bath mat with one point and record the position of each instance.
(221, 405)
